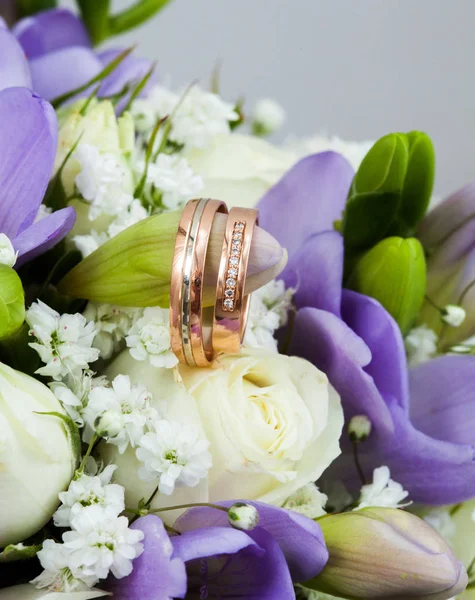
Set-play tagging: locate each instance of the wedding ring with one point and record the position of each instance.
(232, 303)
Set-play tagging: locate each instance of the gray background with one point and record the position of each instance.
(355, 68)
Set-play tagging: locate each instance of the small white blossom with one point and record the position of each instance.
(43, 211)
(90, 491)
(421, 345)
(73, 393)
(354, 152)
(175, 454)
(149, 338)
(308, 501)
(112, 325)
(359, 428)
(466, 347)
(87, 244)
(268, 116)
(64, 341)
(144, 114)
(100, 545)
(8, 255)
(134, 213)
(441, 520)
(126, 405)
(453, 315)
(57, 575)
(268, 312)
(101, 181)
(243, 516)
(383, 491)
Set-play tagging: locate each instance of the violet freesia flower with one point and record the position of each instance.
(222, 562)
(61, 57)
(27, 151)
(422, 422)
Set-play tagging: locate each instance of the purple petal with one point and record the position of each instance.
(50, 30)
(443, 399)
(14, 70)
(315, 270)
(64, 70)
(158, 573)
(328, 343)
(307, 200)
(300, 539)
(371, 322)
(27, 151)
(43, 235)
(256, 571)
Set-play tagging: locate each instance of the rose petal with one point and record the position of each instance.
(14, 70)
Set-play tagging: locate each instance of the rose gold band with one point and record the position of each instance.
(232, 305)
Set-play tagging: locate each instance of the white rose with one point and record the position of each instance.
(239, 169)
(273, 423)
(30, 592)
(36, 458)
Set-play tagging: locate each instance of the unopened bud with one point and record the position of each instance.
(268, 117)
(243, 516)
(7, 252)
(359, 428)
(12, 302)
(453, 315)
(108, 425)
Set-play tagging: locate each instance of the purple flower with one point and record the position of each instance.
(27, 152)
(61, 58)
(222, 562)
(423, 422)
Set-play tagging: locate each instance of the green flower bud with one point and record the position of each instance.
(391, 190)
(387, 553)
(393, 272)
(243, 516)
(12, 302)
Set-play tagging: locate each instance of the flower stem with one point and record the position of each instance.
(357, 462)
(80, 470)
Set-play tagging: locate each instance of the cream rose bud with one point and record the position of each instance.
(273, 423)
(37, 460)
(239, 169)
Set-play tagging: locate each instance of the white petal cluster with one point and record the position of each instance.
(171, 180)
(383, 491)
(119, 413)
(308, 501)
(101, 181)
(89, 243)
(269, 310)
(268, 116)
(8, 255)
(73, 393)
(134, 213)
(88, 491)
(174, 454)
(453, 315)
(440, 519)
(112, 325)
(149, 338)
(421, 345)
(63, 341)
(354, 152)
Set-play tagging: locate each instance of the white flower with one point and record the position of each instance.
(175, 454)
(127, 405)
(359, 428)
(57, 575)
(134, 213)
(64, 341)
(87, 244)
(453, 315)
(101, 181)
(90, 491)
(199, 117)
(308, 501)
(171, 177)
(43, 211)
(144, 115)
(112, 325)
(268, 116)
(100, 544)
(243, 516)
(354, 152)
(383, 491)
(149, 338)
(421, 345)
(8, 255)
(441, 520)
(73, 393)
(268, 312)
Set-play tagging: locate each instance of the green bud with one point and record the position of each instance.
(391, 190)
(131, 269)
(386, 553)
(394, 273)
(12, 302)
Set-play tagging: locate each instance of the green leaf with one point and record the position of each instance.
(95, 14)
(139, 190)
(17, 552)
(139, 87)
(394, 273)
(12, 302)
(136, 14)
(55, 196)
(71, 429)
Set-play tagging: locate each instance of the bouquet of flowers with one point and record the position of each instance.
(151, 446)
